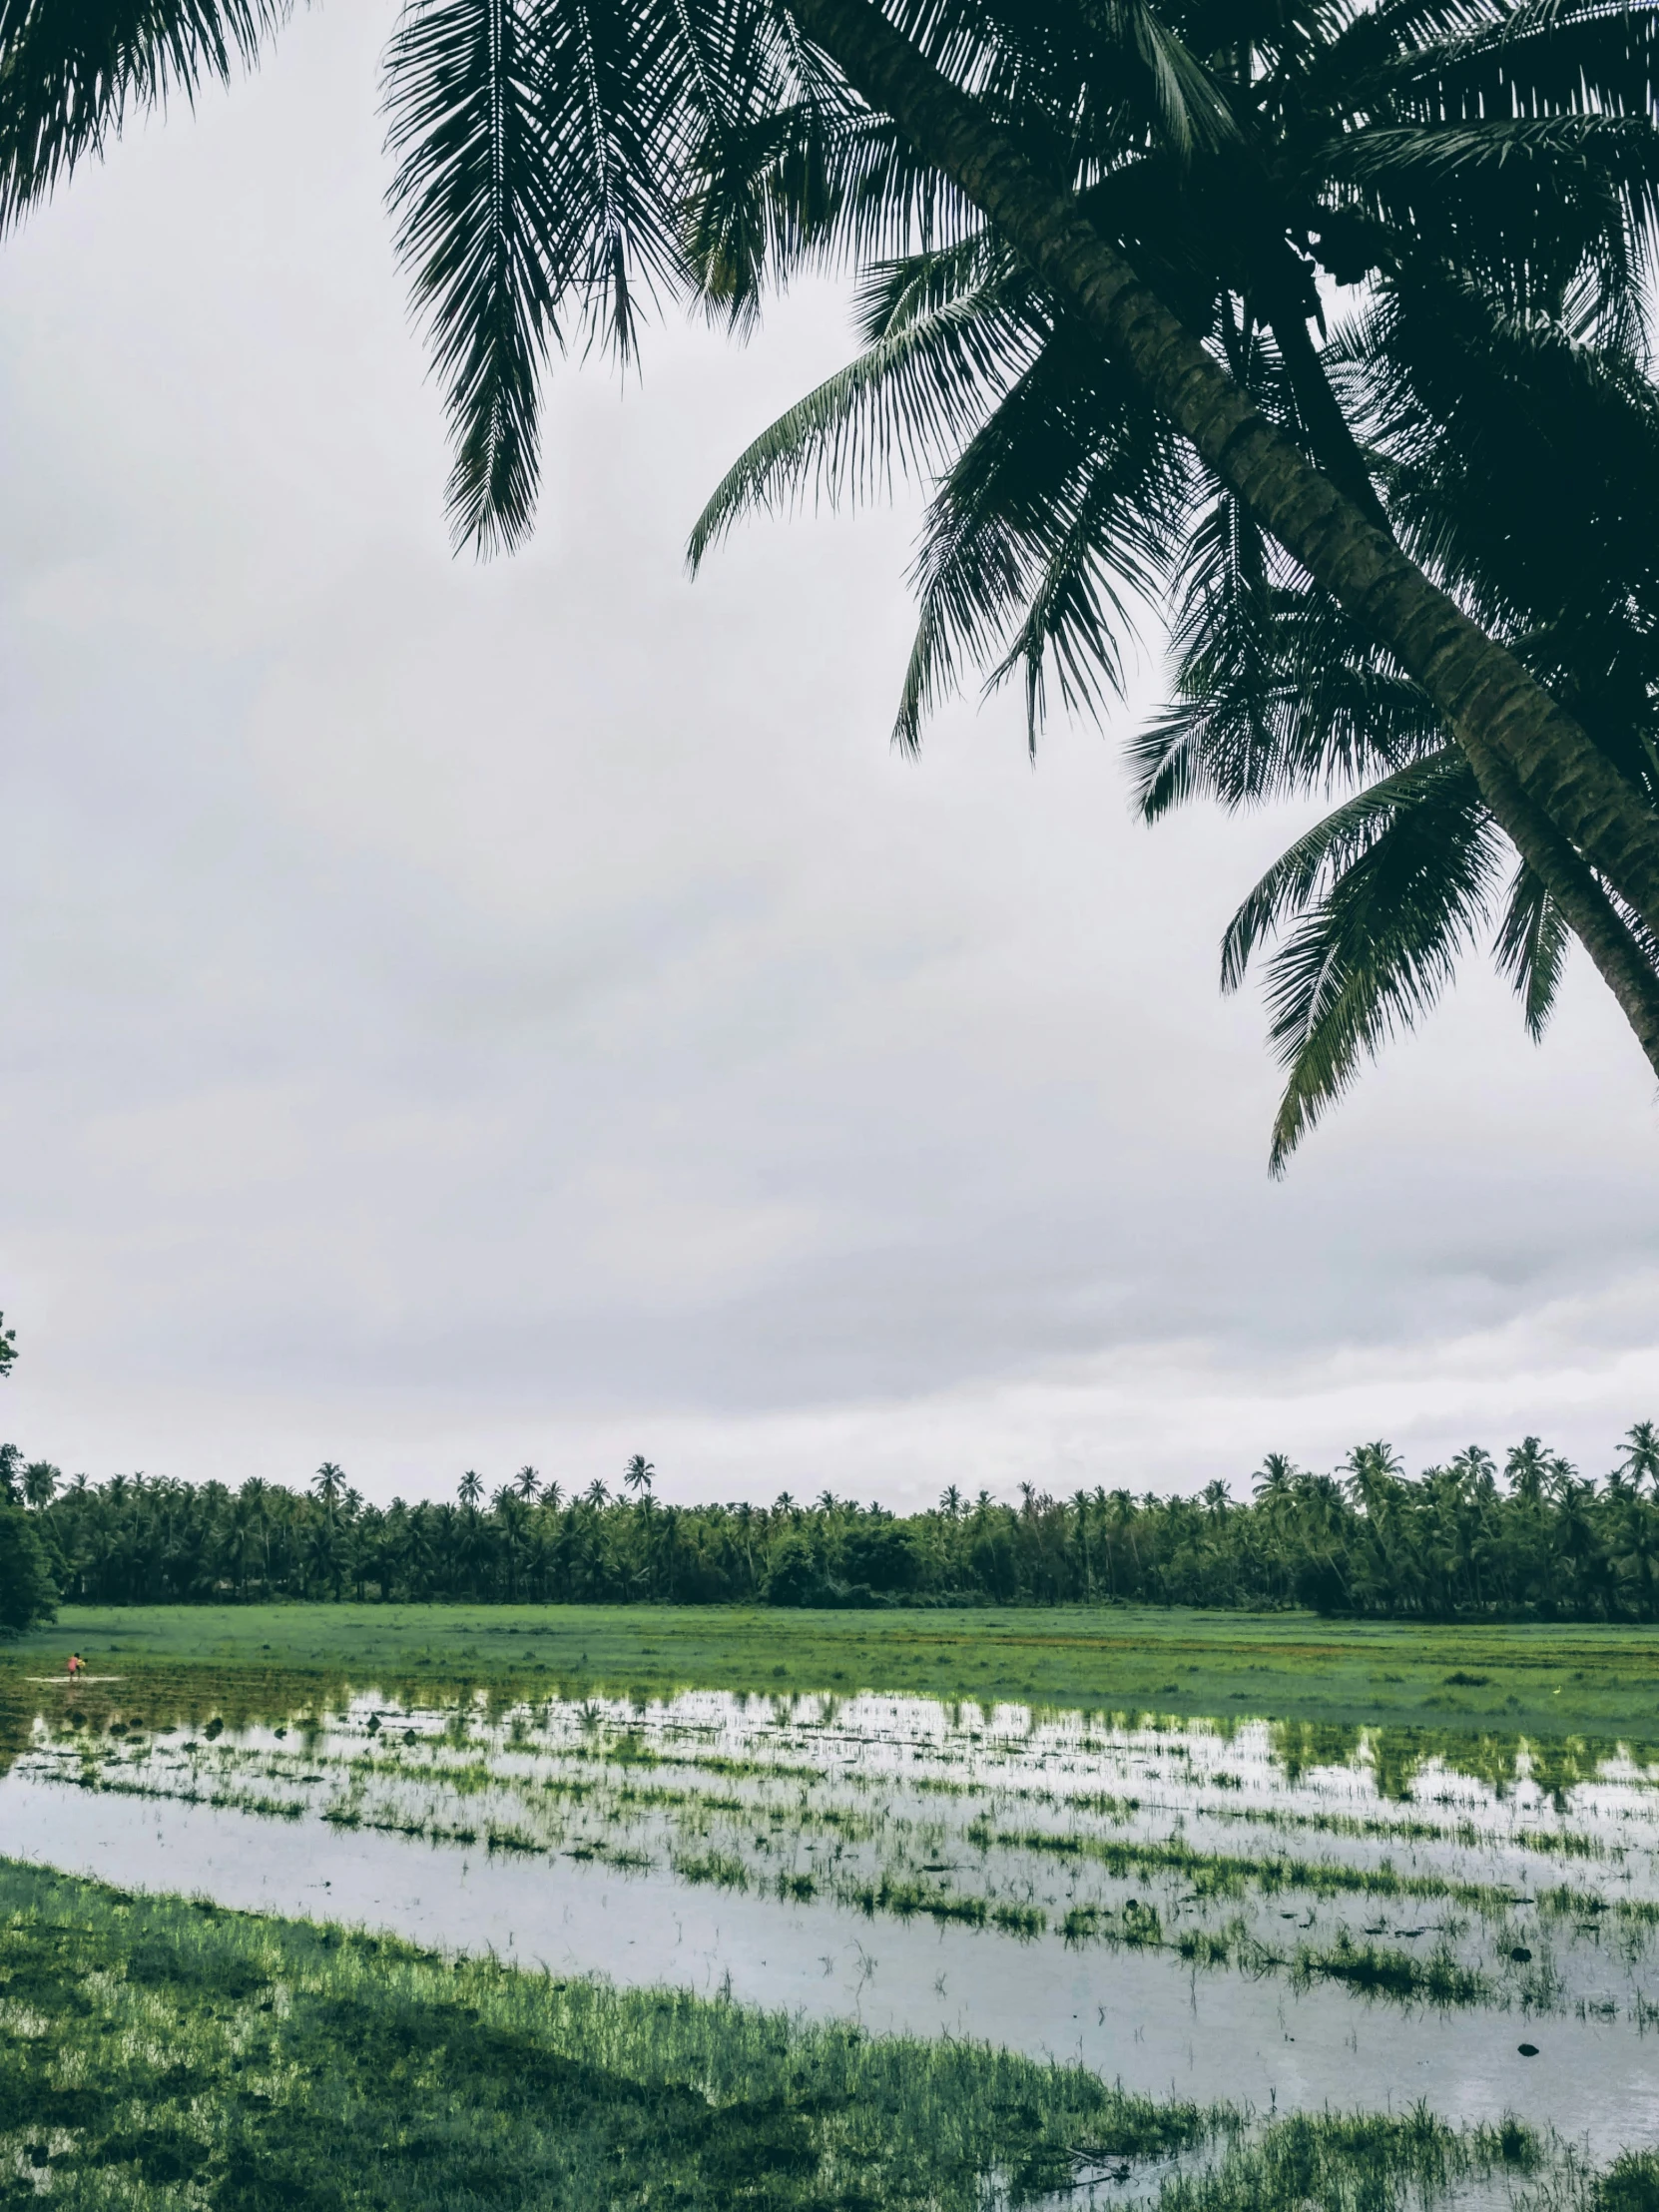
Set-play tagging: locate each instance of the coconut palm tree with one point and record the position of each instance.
(328, 1485)
(527, 1483)
(41, 1480)
(972, 370)
(325, 1562)
(470, 1491)
(1639, 1459)
(639, 1475)
(512, 1523)
(1159, 202)
(1528, 1469)
(1081, 1504)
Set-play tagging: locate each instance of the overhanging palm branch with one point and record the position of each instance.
(71, 74)
(1274, 691)
(1531, 948)
(820, 182)
(540, 150)
(945, 332)
(1562, 556)
(476, 220)
(1043, 538)
(1377, 900)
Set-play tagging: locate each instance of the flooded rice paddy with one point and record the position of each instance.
(1273, 1916)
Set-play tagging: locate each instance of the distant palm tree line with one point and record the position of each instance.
(1534, 1539)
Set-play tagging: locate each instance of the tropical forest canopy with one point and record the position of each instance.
(1533, 1539)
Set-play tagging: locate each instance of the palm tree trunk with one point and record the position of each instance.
(1520, 742)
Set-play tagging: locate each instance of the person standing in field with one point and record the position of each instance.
(77, 1665)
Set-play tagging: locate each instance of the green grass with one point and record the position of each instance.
(163, 2053)
(1354, 2164)
(1560, 1682)
(157, 2053)
(1632, 2184)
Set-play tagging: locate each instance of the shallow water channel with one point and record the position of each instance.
(1192, 1910)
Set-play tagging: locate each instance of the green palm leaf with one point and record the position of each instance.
(1043, 536)
(543, 149)
(1383, 894)
(478, 219)
(1531, 948)
(947, 333)
(71, 71)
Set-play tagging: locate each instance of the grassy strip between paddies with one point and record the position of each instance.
(163, 2053)
(1380, 1970)
(1216, 1873)
(1209, 1874)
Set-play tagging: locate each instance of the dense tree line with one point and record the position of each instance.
(1533, 1538)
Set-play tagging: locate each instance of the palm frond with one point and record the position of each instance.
(1528, 202)
(1098, 567)
(1449, 386)
(72, 71)
(542, 172)
(812, 186)
(945, 338)
(1545, 57)
(1276, 694)
(476, 219)
(1192, 114)
(1531, 948)
(1386, 894)
(619, 83)
(1052, 522)
(1322, 855)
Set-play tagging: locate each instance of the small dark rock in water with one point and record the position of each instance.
(1527, 2050)
(1521, 1956)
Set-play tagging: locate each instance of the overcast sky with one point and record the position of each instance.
(456, 1015)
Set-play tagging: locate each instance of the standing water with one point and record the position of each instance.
(1244, 1911)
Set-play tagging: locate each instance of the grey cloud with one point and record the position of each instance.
(447, 1011)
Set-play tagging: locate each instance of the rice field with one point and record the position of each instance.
(1261, 1932)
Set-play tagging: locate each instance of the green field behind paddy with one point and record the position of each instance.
(1534, 1679)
